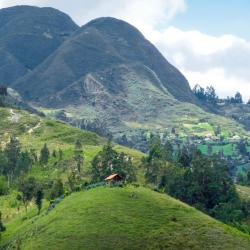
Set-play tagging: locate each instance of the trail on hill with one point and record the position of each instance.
(14, 117)
(31, 130)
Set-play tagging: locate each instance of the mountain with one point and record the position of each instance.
(107, 71)
(105, 77)
(122, 218)
(101, 52)
(28, 35)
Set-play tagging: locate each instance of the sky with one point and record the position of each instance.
(208, 40)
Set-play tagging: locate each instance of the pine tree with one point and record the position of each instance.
(2, 227)
(78, 155)
(44, 155)
(54, 153)
(12, 152)
(39, 199)
(60, 154)
(104, 163)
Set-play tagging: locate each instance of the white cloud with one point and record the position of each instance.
(223, 62)
(138, 12)
(224, 85)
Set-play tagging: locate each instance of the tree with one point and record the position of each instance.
(211, 95)
(199, 92)
(60, 154)
(248, 103)
(24, 162)
(3, 94)
(248, 178)
(156, 150)
(2, 227)
(3, 163)
(33, 156)
(3, 91)
(27, 187)
(12, 152)
(238, 98)
(155, 163)
(108, 161)
(57, 189)
(209, 149)
(125, 168)
(242, 147)
(54, 153)
(104, 162)
(44, 154)
(184, 158)
(168, 151)
(217, 130)
(39, 199)
(154, 170)
(78, 155)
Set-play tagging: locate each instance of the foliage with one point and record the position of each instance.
(44, 155)
(109, 161)
(27, 187)
(199, 180)
(12, 152)
(2, 227)
(78, 155)
(209, 95)
(57, 189)
(39, 199)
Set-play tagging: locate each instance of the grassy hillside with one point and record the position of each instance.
(122, 218)
(33, 131)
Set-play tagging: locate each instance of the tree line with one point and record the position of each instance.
(198, 180)
(16, 163)
(208, 95)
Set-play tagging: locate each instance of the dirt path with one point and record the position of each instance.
(14, 117)
(31, 130)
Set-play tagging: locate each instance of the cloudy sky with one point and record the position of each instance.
(209, 40)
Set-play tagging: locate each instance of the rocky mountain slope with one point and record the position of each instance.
(105, 76)
(27, 36)
(102, 56)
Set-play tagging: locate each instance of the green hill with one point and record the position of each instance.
(122, 218)
(33, 132)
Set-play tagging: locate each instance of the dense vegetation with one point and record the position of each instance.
(47, 161)
(201, 181)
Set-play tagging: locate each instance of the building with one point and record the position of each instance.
(113, 178)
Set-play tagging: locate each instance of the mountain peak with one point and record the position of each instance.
(115, 27)
(28, 35)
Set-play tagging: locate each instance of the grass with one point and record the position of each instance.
(122, 218)
(228, 149)
(36, 131)
(244, 192)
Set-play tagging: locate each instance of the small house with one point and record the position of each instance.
(114, 178)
